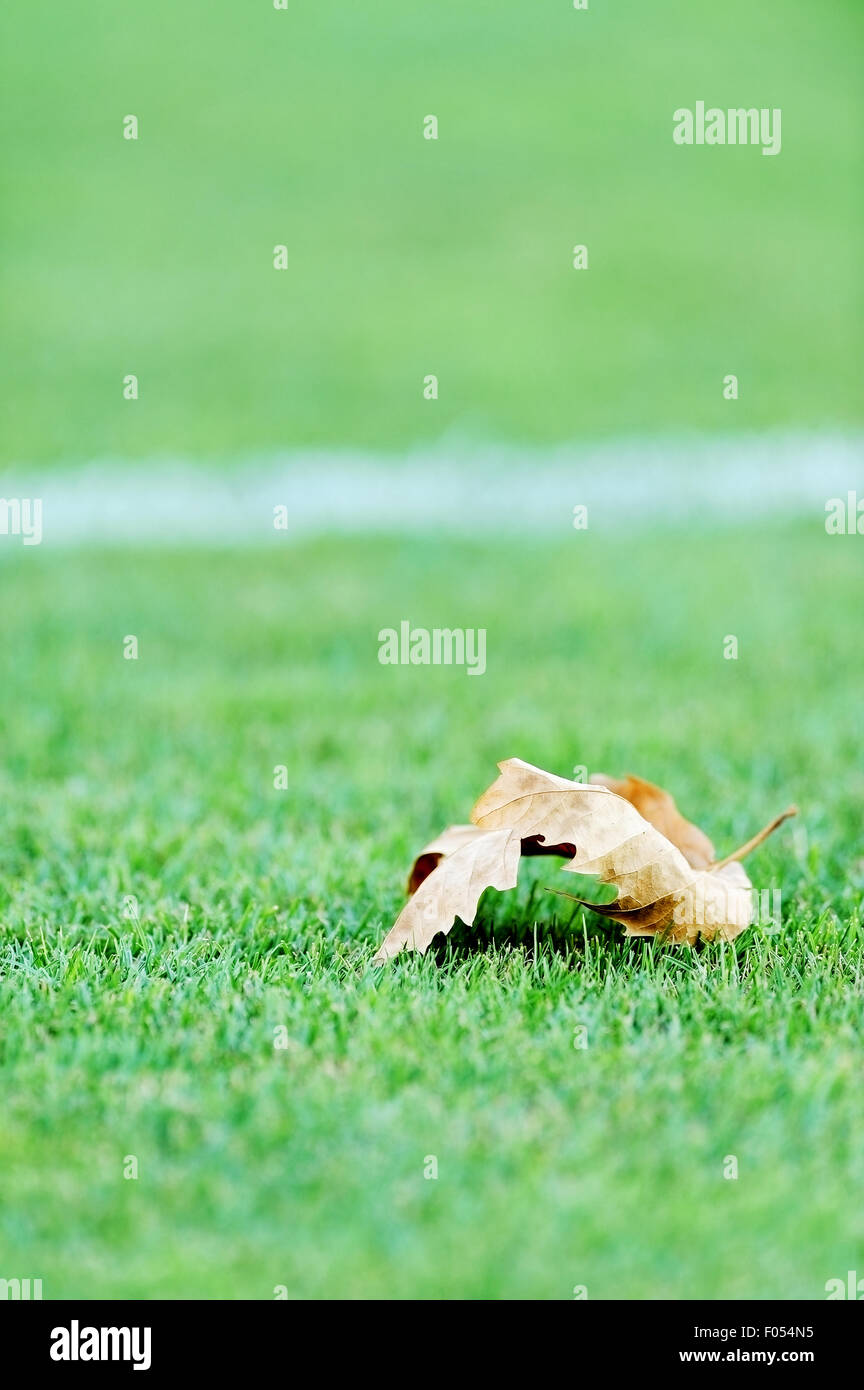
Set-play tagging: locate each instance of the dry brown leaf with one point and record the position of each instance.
(529, 811)
(454, 837)
(659, 808)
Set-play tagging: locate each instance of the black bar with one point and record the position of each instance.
(220, 1338)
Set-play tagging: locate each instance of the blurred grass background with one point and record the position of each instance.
(406, 256)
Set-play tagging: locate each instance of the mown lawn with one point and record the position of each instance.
(409, 257)
(149, 1032)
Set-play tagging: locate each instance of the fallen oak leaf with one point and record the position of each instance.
(530, 811)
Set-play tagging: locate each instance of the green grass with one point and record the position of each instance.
(258, 909)
(407, 256)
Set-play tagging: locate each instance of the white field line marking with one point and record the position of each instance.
(451, 488)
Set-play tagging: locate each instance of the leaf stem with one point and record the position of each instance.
(757, 840)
